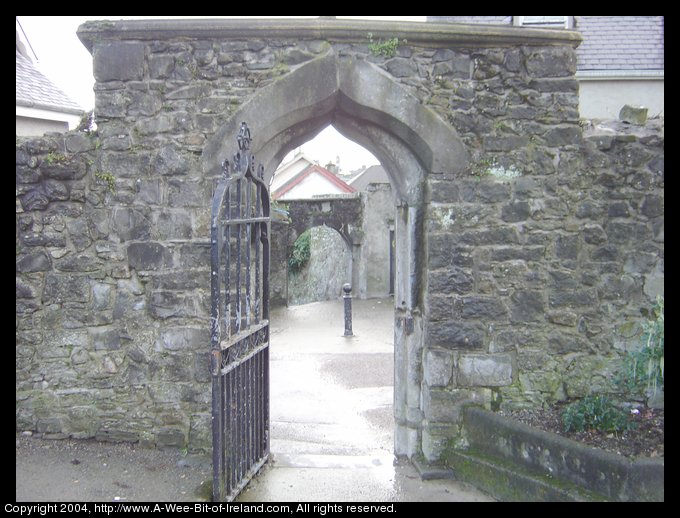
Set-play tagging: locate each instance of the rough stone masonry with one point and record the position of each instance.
(535, 256)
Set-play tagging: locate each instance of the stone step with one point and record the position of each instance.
(512, 482)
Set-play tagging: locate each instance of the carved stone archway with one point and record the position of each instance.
(411, 141)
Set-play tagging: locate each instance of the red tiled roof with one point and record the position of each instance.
(307, 172)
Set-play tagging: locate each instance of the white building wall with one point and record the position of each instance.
(28, 127)
(35, 122)
(312, 185)
(603, 99)
(286, 172)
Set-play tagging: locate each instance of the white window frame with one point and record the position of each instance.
(521, 21)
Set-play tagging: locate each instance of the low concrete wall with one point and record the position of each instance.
(577, 471)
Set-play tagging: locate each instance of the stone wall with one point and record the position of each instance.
(328, 269)
(278, 262)
(378, 221)
(112, 294)
(541, 267)
(538, 250)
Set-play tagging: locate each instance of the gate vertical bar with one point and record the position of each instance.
(239, 338)
(248, 236)
(227, 269)
(239, 230)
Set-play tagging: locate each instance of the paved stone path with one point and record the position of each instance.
(331, 425)
(331, 411)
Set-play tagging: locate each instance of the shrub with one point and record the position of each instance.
(595, 413)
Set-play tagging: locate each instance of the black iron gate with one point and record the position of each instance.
(239, 364)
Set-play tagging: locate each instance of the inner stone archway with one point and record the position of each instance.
(326, 267)
(370, 108)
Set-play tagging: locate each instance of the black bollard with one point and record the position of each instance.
(347, 288)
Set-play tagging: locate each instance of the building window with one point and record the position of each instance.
(550, 22)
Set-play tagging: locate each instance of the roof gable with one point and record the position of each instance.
(313, 169)
(288, 170)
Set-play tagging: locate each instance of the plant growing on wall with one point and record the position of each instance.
(55, 158)
(279, 211)
(301, 253)
(383, 48)
(109, 179)
(643, 369)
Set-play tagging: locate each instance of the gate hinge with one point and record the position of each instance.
(409, 325)
(406, 323)
(215, 362)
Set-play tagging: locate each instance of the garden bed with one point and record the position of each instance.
(514, 461)
(644, 439)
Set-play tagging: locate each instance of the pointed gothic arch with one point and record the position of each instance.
(370, 107)
(364, 103)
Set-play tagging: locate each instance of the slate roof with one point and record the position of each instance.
(372, 174)
(610, 43)
(34, 90)
(621, 42)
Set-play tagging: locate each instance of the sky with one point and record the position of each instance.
(60, 55)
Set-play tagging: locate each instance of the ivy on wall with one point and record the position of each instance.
(300, 254)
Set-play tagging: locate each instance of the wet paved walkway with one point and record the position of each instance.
(331, 426)
(331, 412)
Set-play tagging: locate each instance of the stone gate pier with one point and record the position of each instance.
(528, 242)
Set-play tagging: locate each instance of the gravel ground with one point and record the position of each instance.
(87, 471)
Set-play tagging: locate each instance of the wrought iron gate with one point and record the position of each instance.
(239, 363)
